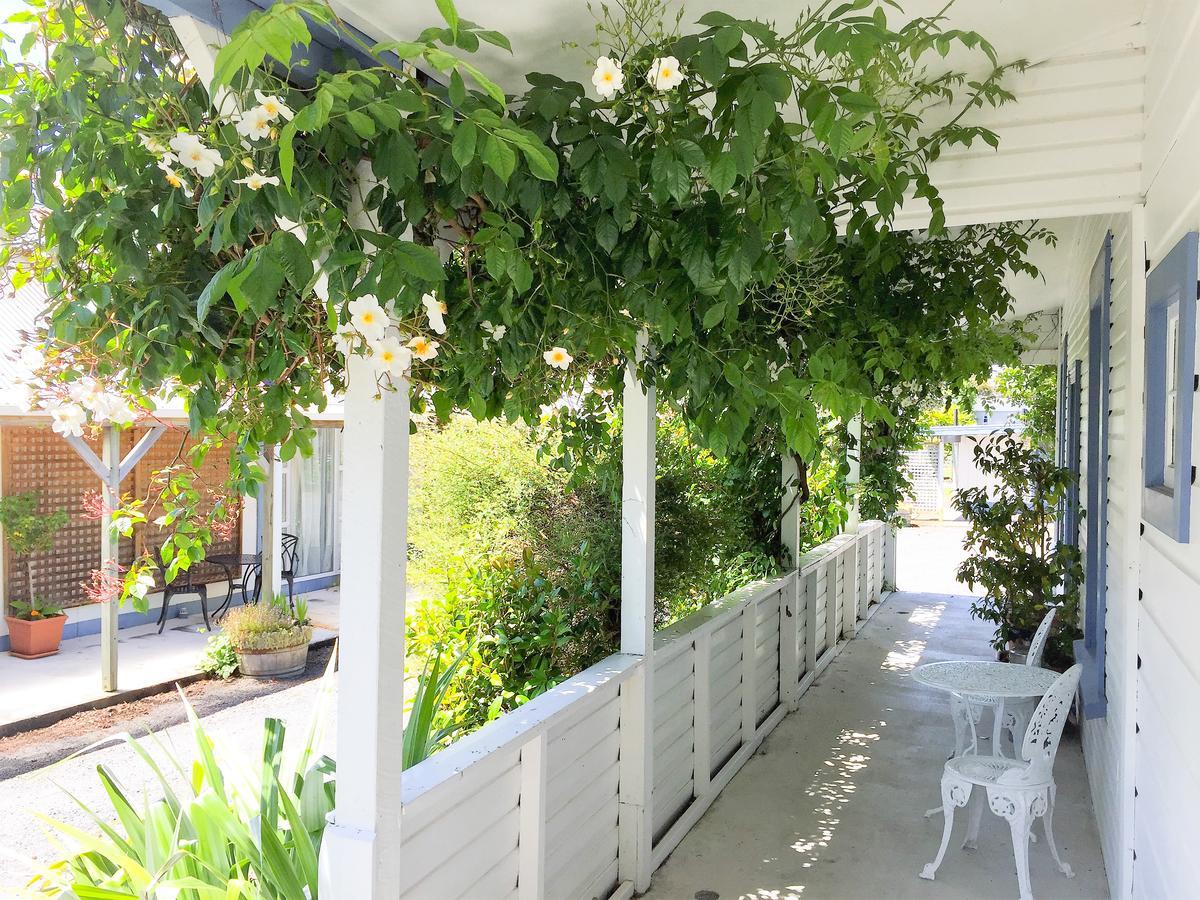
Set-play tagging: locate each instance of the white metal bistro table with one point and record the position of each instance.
(987, 682)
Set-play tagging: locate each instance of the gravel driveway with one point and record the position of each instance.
(237, 729)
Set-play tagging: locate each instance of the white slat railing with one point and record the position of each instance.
(528, 806)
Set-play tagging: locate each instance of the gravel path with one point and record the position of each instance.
(237, 730)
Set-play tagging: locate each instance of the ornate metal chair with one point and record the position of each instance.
(1021, 790)
(290, 557)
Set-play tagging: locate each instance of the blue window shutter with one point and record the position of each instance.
(1090, 651)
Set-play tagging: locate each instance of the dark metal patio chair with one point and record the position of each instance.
(183, 584)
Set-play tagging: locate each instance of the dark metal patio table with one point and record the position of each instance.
(248, 563)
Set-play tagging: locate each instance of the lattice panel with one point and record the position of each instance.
(922, 468)
(37, 459)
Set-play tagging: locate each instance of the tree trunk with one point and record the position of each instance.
(29, 576)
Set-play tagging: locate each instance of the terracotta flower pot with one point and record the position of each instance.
(35, 638)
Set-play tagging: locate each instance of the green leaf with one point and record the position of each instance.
(713, 315)
(214, 290)
(450, 14)
(499, 157)
(722, 173)
(607, 233)
(363, 125)
(462, 148)
(420, 262)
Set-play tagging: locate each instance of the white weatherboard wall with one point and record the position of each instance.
(1166, 764)
(528, 806)
(1108, 741)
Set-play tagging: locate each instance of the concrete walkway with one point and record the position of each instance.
(147, 660)
(832, 805)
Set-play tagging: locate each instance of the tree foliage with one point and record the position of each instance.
(1036, 389)
(739, 215)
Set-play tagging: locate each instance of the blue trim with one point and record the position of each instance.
(1170, 288)
(306, 583)
(1095, 605)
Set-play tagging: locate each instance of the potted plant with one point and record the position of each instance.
(35, 626)
(1013, 554)
(270, 639)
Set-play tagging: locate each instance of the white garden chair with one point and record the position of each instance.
(1020, 790)
(967, 713)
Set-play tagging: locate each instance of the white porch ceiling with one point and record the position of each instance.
(1033, 29)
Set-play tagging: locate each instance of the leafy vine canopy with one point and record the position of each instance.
(725, 187)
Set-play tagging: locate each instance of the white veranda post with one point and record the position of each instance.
(854, 477)
(637, 624)
(360, 855)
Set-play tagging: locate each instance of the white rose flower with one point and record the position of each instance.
(435, 310)
(346, 338)
(255, 180)
(254, 124)
(272, 106)
(368, 317)
(423, 348)
(391, 357)
(194, 155)
(608, 77)
(68, 419)
(665, 73)
(153, 144)
(557, 358)
(495, 332)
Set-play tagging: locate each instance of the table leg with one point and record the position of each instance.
(997, 723)
(228, 594)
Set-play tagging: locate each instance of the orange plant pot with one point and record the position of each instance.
(35, 638)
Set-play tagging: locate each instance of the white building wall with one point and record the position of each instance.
(1167, 768)
(1108, 741)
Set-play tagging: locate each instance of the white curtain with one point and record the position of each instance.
(313, 503)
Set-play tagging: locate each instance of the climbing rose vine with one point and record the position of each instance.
(726, 189)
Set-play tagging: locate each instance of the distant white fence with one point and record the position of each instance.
(529, 805)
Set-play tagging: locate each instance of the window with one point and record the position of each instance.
(1172, 396)
(1170, 371)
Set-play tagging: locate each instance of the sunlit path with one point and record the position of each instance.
(831, 806)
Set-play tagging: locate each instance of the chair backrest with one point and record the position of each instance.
(1037, 647)
(290, 554)
(1046, 726)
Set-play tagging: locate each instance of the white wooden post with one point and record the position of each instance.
(635, 832)
(749, 672)
(889, 558)
(360, 855)
(271, 499)
(853, 477)
(789, 643)
(110, 456)
(702, 721)
(941, 480)
(790, 519)
(789, 598)
(810, 619)
(832, 628)
(850, 590)
(531, 861)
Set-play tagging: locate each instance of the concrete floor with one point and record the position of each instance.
(831, 807)
(145, 658)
